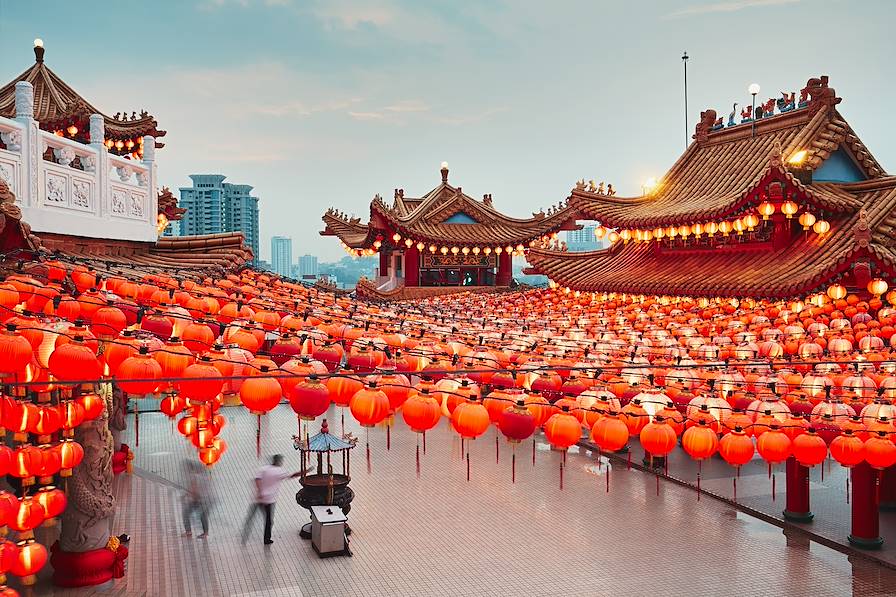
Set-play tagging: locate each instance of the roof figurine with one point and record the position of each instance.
(59, 108)
(771, 215)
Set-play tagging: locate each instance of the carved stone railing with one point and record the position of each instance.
(66, 187)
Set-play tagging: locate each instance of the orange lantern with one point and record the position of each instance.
(563, 430)
(774, 446)
(736, 448)
(137, 375)
(421, 412)
(848, 449)
(369, 405)
(809, 448)
(657, 438)
(880, 451)
(201, 381)
(261, 393)
(700, 441)
(32, 558)
(470, 419)
(610, 433)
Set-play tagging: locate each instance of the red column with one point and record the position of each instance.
(384, 263)
(888, 489)
(412, 267)
(797, 508)
(865, 518)
(505, 269)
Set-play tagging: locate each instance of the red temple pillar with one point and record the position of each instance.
(865, 518)
(412, 267)
(797, 508)
(888, 489)
(384, 263)
(505, 269)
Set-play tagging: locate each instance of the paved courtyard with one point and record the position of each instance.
(442, 535)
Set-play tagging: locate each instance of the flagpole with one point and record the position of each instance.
(684, 61)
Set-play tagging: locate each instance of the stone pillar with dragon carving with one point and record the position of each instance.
(87, 553)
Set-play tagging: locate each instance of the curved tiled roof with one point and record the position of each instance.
(56, 104)
(713, 176)
(428, 219)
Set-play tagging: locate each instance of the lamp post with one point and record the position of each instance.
(753, 89)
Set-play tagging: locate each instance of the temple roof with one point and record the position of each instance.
(446, 215)
(719, 169)
(56, 105)
(800, 267)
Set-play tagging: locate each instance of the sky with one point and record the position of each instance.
(320, 103)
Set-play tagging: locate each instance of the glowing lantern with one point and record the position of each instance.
(29, 516)
(15, 351)
(32, 558)
(470, 419)
(421, 412)
(137, 374)
(92, 404)
(310, 398)
(198, 337)
(657, 438)
(516, 422)
(201, 381)
(880, 451)
(261, 393)
(52, 500)
(836, 292)
(369, 405)
(766, 208)
(108, 321)
(774, 446)
(563, 430)
(877, 287)
(788, 208)
(71, 454)
(807, 220)
(848, 449)
(751, 221)
(809, 449)
(539, 408)
(74, 361)
(736, 448)
(343, 387)
(172, 405)
(610, 433)
(700, 441)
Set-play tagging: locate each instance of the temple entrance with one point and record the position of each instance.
(464, 276)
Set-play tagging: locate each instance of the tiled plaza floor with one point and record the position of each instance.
(442, 535)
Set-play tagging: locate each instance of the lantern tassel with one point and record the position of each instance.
(822, 470)
(657, 483)
(424, 443)
(608, 477)
(847, 487)
(418, 457)
(258, 438)
(342, 415)
(497, 448)
(369, 468)
(734, 480)
(136, 423)
(698, 486)
(561, 476)
(388, 437)
(628, 466)
(513, 467)
(468, 467)
(533, 451)
(773, 487)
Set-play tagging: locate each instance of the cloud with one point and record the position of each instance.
(732, 6)
(215, 4)
(367, 115)
(348, 14)
(461, 120)
(408, 106)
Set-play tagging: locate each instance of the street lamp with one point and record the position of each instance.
(753, 89)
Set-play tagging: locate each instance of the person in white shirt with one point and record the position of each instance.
(267, 486)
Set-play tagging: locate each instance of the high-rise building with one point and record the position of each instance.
(215, 206)
(281, 255)
(584, 239)
(308, 269)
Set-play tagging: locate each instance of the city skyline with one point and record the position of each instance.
(308, 100)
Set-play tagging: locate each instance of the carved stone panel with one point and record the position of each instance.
(135, 206)
(55, 189)
(81, 194)
(119, 199)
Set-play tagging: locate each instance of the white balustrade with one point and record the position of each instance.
(79, 190)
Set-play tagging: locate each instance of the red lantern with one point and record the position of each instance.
(71, 413)
(774, 446)
(209, 456)
(284, 349)
(137, 375)
(5, 461)
(421, 412)
(174, 358)
(700, 441)
(330, 355)
(563, 430)
(261, 393)
(310, 398)
(51, 463)
(160, 326)
(201, 381)
(737, 448)
(26, 463)
(74, 361)
(93, 406)
(71, 454)
(187, 426)
(657, 438)
(369, 406)
(516, 422)
(395, 386)
(118, 352)
(198, 337)
(108, 321)
(880, 451)
(172, 405)
(610, 433)
(9, 553)
(48, 422)
(29, 516)
(32, 558)
(52, 500)
(848, 449)
(809, 449)
(9, 506)
(15, 351)
(470, 419)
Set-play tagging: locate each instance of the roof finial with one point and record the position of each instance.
(38, 50)
(444, 171)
